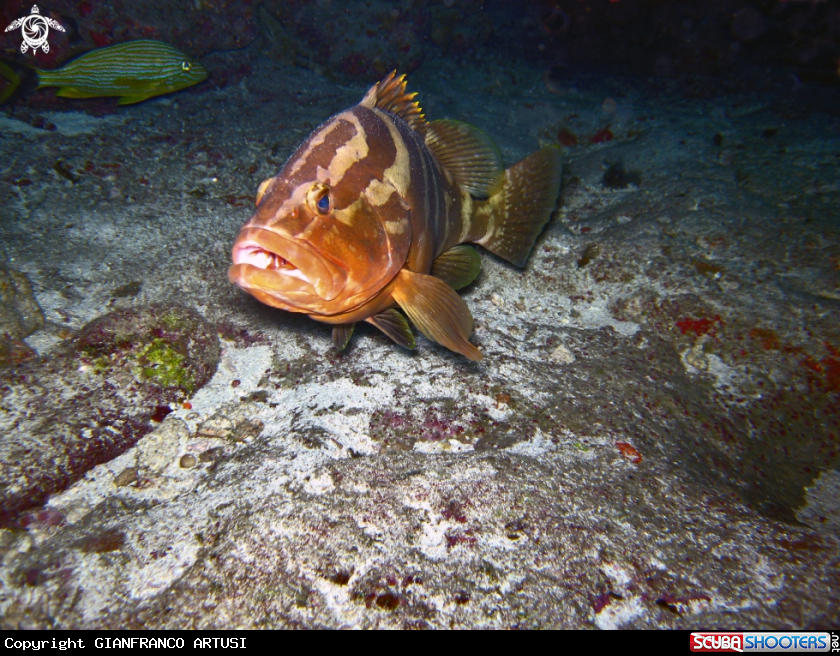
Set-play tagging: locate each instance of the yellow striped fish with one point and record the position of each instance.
(134, 71)
(372, 211)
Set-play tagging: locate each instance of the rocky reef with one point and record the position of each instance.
(651, 441)
(94, 397)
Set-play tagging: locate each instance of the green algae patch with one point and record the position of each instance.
(164, 365)
(174, 321)
(170, 347)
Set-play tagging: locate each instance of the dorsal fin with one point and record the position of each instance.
(468, 154)
(390, 96)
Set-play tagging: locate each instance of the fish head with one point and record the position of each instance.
(172, 69)
(194, 71)
(186, 72)
(330, 231)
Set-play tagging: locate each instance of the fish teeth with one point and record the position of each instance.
(269, 261)
(278, 262)
(259, 258)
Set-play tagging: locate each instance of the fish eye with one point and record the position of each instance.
(185, 66)
(319, 198)
(323, 204)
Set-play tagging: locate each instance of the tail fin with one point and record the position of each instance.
(14, 79)
(516, 215)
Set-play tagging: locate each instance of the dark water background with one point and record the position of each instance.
(681, 312)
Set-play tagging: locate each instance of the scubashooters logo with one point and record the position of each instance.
(747, 641)
(35, 29)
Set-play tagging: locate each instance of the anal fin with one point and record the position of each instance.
(458, 266)
(72, 92)
(393, 324)
(437, 311)
(341, 334)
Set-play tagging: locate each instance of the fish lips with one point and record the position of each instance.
(305, 279)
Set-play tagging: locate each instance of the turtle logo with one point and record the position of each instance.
(35, 29)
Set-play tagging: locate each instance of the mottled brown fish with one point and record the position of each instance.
(372, 211)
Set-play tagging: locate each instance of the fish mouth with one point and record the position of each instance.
(262, 259)
(199, 73)
(288, 271)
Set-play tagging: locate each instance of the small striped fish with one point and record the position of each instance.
(134, 71)
(373, 211)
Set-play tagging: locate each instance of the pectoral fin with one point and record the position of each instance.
(436, 310)
(458, 266)
(341, 335)
(393, 324)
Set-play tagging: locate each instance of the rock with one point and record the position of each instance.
(562, 538)
(95, 397)
(747, 24)
(562, 355)
(20, 315)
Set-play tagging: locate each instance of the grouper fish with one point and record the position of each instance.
(134, 71)
(373, 211)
